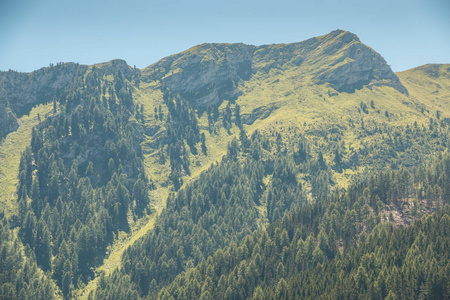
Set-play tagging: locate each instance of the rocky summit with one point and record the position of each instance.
(210, 73)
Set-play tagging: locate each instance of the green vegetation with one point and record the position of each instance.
(10, 153)
(81, 178)
(300, 256)
(227, 171)
(20, 277)
(207, 215)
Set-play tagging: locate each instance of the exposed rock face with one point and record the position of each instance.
(206, 74)
(355, 65)
(19, 92)
(24, 90)
(338, 58)
(116, 65)
(209, 73)
(261, 112)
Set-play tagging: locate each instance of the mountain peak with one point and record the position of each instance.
(347, 64)
(344, 35)
(210, 73)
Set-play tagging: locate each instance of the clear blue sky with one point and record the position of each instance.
(407, 33)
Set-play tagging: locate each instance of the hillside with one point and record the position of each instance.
(429, 86)
(240, 140)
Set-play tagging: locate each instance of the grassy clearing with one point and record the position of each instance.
(10, 151)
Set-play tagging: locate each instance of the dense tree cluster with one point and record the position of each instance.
(8, 120)
(393, 263)
(20, 92)
(20, 277)
(81, 178)
(267, 222)
(387, 146)
(181, 128)
(336, 248)
(221, 207)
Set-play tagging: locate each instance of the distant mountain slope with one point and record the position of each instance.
(315, 85)
(429, 85)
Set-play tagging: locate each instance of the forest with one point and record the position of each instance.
(226, 171)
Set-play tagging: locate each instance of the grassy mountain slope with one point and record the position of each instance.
(317, 86)
(332, 92)
(10, 151)
(429, 85)
(353, 108)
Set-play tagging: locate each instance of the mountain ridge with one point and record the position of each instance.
(356, 66)
(210, 73)
(235, 137)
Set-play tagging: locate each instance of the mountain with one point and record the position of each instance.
(210, 73)
(428, 84)
(172, 180)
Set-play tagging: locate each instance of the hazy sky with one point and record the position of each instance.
(407, 33)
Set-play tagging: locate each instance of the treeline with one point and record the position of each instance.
(337, 248)
(332, 224)
(82, 178)
(20, 92)
(20, 277)
(224, 205)
(183, 135)
(386, 146)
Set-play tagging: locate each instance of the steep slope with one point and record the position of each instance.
(338, 58)
(273, 86)
(330, 107)
(430, 86)
(206, 74)
(210, 73)
(336, 92)
(10, 153)
(20, 92)
(332, 83)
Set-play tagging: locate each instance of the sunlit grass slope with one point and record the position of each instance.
(429, 85)
(10, 151)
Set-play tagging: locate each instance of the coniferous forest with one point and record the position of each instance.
(227, 171)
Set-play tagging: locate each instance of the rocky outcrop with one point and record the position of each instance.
(24, 90)
(354, 65)
(261, 113)
(206, 74)
(210, 73)
(20, 92)
(114, 66)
